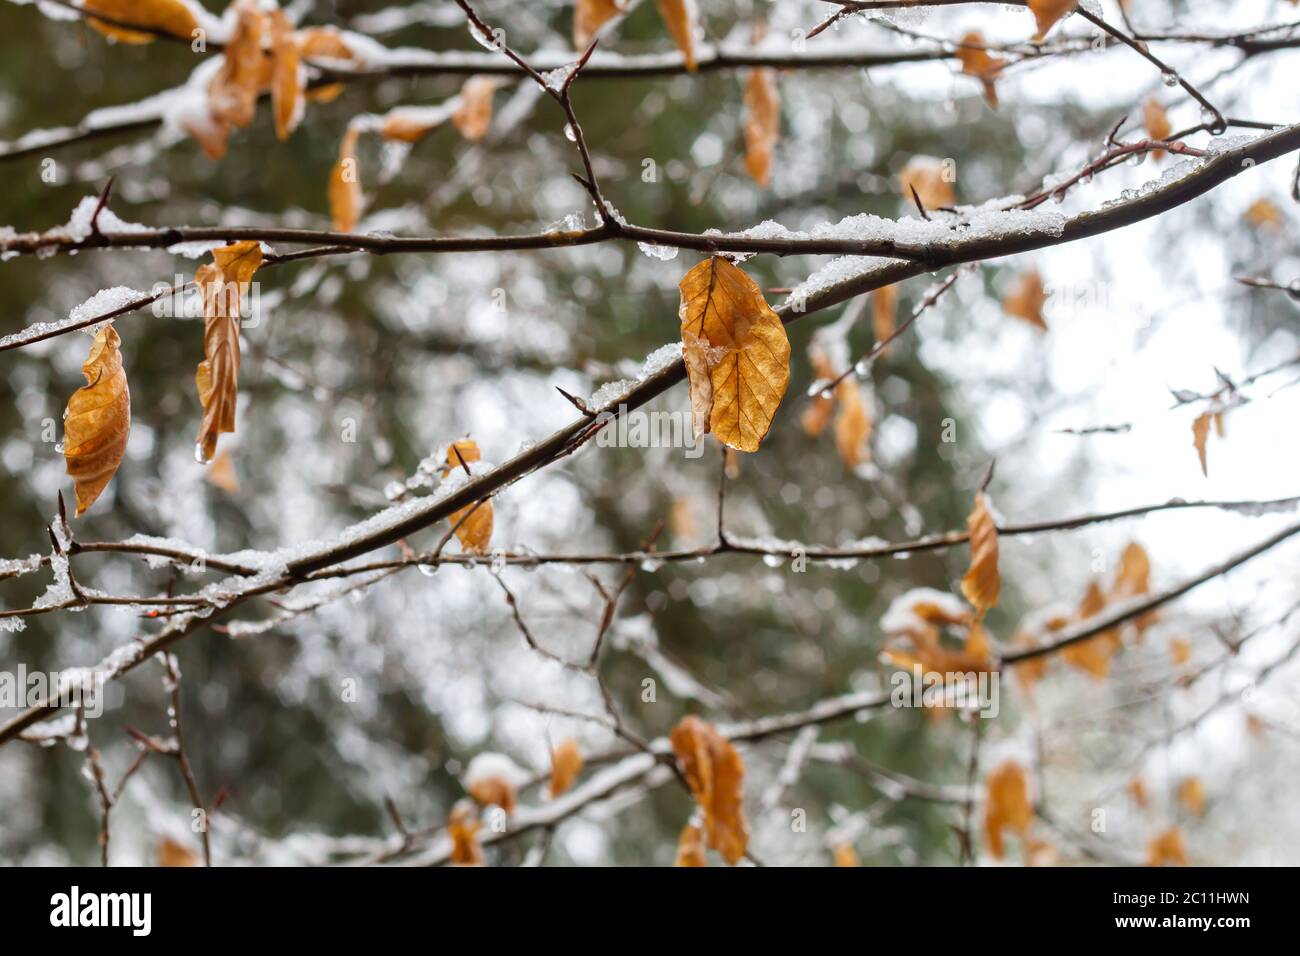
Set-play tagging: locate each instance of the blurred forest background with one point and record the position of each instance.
(413, 352)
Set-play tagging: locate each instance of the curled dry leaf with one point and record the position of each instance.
(982, 582)
(287, 99)
(976, 61)
(223, 284)
(1007, 806)
(690, 847)
(233, 91)
(474, 114)
(589, 16)
(845, 855)
(931, 179)
(1157, 122)
(462, 827)
(475, 531)
(1048, 12)
(97, 420)
(716, 776)
(1026, 300)
(1200, 433)
(736, 352)
(762, 125)
(682, 18)
(159, 16)
(1168, 849)
(171, 853)
(566, 764)
(344, 192)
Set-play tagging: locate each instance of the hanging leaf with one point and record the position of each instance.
(566, 764)
(1134, 574)
(1007, 806)
(736, 352)
(223, 284)
(589, 16)
(1157, 122)
(474, 114)
(982, 582)
(163, 16)
(819, 411)
(1026, 300)
(931, 180)
(1200, 433)
(233, 91)
(1093, 655)
(171, 853)
(1168, 849)
(682, 19)
(690, 847)
(494, 792)
(884, 314)
(976, 61)
(221, 473)
(475, 531)
(716, 776)
(762, 124)
(1191, 795)
(97, 420)
(462, 828)
(1264, 213)
(323, 43)
(344, 192)
(287, 99)
(1137, 790)
(853, 424)
(1048, 12)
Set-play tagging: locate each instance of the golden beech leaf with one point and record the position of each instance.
(475, 531)
(97, 420)
(716, 776)
(233, 91)
(1137, 790)
(1157, 122)
(1048, 12)
(1093, 655)
(931, 180)
(690, 847)
(160, 16)
(736, 352)
(221, 473)
(474, 114)
(845, 855)
(223, 284)
(344, 191)
(884, 313)
(589, 16)
(566, 764)
(1201, 432)
(1007, 806)
(287, 99)
(462, 827)
(976, 61)
(1264, 212)
(982, 582)
(1168, 849)
(818, 413)
(853, 424)
(1026, 299)
(681, 17)
(1191, 795)
(171, 853)
(494, 792)
(762, 123)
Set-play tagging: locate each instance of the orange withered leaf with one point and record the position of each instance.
(158, 16)
(762, 124)
(494, 792)
(931, 180)
(223, 284)
(287, 99)
(1007, 807)
(1093, 655)
(221, 473)
(1027, 298)
(1264, 212)
(1191, 795)
(736, 352)
(462, 827)
(473, 523)
(344, 191)
(323, 43)
(884, 312)
(1200, 433)
(98, 420)
(590, 15)
(690, 847)
(171, 853)
(682, 18)
(853, 424)
(1134, 574)
(233, 91)
(566, 764)
(982, 581)
(976, 61)
(1168, 849)
(1157, 122)
(474, 114)
(1180, 649)
(1048, 12)
(818, 413)
(845, 855)
(1137, 789)
(716, 776)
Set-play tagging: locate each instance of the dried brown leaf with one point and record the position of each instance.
(223, 284)
(474, 114)
(287, 99)
(589, 16)
(1048, 12)
(346, 201)
(98, 420)
(690, 847)
(716, 776)
(762, 124)
(1026, 300)
(1168, 849)
(682, 19)
(1007, 806)
(982, 581)
(162, 16)
(976, 61)
(566, 764)
(233, 91)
